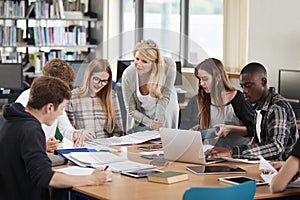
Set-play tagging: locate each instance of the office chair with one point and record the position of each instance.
(243, 191)
(190, 115)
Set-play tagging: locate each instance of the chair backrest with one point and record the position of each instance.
(244, 191)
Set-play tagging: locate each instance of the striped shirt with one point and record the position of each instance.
(278, 131)
(86, 112)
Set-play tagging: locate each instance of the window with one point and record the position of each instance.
(206, 29)
(162, 24)
(128, 29)
(162, 21)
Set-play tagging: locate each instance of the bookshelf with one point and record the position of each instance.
(34, 31)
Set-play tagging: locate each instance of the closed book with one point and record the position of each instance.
(168, 177)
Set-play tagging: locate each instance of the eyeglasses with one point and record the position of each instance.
(97, 80)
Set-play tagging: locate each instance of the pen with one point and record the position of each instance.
(105, 168)
(104, 150)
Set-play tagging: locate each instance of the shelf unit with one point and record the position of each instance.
(46, 35)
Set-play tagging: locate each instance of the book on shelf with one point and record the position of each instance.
(168, 177)
(29, 10)
(61, 9)
(12, 9)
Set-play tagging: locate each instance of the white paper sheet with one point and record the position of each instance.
(134, 138)
(268, 170)
(75, 170)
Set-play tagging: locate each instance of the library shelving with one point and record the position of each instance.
(32, 32)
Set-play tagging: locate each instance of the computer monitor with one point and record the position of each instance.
(123, 64)
(11, 76)
(288, 84)
(178, 80)
(79, 68)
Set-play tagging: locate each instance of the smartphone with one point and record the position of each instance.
(153, 156)
(150, 148)
(240, 179)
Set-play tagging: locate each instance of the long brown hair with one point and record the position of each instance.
(105, 94)
(216, 69)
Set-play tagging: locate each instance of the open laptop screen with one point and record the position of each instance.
(182, 145)
(185, 146)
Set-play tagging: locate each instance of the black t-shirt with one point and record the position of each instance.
(296, 149)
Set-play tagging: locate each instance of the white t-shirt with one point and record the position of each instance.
(148, 103)
(258, 123)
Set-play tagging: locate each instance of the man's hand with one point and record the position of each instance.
(52, 144)
(277, 165)
(100, 176)
(220, 152)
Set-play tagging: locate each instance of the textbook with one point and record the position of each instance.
(168, 177)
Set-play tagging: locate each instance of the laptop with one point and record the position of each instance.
(185, 146)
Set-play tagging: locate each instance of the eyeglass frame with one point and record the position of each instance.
(103, 82)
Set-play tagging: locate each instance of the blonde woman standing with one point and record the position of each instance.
(148, 90)
(94, 106)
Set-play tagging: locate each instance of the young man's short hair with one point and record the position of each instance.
(60, 69)
(254, 68)
(47, 89)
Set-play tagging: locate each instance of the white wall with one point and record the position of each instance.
(274, 35)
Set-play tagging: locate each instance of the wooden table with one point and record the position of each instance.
(123, 187)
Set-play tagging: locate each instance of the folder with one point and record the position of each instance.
(64, 152)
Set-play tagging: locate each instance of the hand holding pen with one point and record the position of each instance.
(101, 175)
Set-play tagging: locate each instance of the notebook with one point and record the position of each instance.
(185, 146)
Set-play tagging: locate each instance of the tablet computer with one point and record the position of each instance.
(141, 173)
(219, 169)
(241, 179)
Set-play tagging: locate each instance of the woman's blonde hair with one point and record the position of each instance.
(149, 49)
(220, 82)
(105, 94)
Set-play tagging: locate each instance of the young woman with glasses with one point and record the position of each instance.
(94, 106)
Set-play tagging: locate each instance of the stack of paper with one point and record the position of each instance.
(134, 138)
(115, 163)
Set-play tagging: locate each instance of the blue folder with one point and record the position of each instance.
(62, 152)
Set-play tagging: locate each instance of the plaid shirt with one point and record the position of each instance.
(86, 112)
(278, 131)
